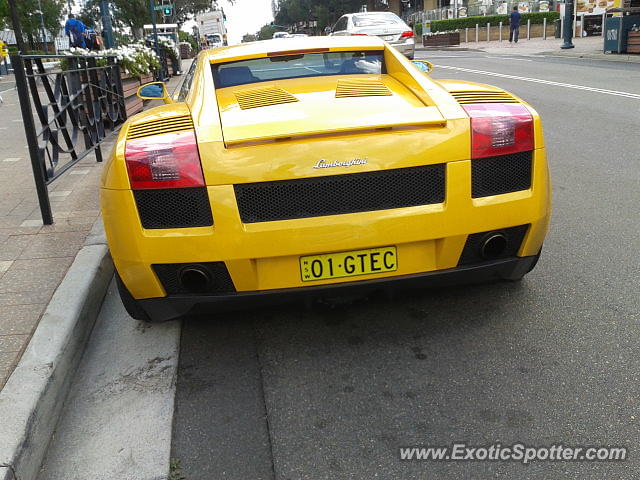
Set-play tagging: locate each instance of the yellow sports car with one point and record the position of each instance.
(292, 167)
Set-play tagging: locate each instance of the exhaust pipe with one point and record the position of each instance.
(494, 245)
(195, 279)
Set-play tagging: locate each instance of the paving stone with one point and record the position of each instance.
(7, 362)
(25, 298)
(20, 319)
(13, 246)
(59, 244)
(13, 343)
(36, 278)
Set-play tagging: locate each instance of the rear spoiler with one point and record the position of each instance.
(239, 135)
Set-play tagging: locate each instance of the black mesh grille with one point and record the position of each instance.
(503, 174)
(174, 208)
(472, 252)
(338, 194)
(168, 274)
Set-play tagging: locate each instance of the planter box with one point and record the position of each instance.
(441, 40)
(133, 104)
(633, 42)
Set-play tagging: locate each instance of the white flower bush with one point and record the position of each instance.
(136, 59)
(431, 34)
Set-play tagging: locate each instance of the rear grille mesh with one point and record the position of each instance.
(340, 194)
(168, 274)
(174, 208)
(502, 174)
(483, 96)
(263, 97)
(361, 88)
(160, 126)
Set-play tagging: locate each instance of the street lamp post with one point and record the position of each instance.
(106, 24)
(44, 31)
(152, 11)
(567, 30)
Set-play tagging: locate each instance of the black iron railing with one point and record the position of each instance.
(67, 113)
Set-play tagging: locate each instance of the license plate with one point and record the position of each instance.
(387, 37)
(348, 264)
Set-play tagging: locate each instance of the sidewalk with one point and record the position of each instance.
(588, 47)
(35, 258)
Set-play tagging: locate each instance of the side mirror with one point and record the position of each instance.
(327, 30)
(423, 66)
(154, 91)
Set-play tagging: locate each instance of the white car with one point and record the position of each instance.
(214, 40)
(385, 25)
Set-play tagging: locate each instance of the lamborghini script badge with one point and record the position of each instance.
(324, 164)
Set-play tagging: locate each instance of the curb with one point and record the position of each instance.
(34, 394)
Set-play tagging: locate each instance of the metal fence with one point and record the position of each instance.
(75, 110)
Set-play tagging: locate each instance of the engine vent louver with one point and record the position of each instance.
(160, 126)
(483, 96)
(263, 97)
(361, 88)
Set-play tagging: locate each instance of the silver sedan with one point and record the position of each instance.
(386, 25)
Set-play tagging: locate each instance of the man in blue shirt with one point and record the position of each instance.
(75, 29)
(514, 25)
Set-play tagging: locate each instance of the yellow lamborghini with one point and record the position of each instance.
(294, 167)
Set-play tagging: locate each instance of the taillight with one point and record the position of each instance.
(164, 161)
(359, 35)
(407, 34)
(499, 129)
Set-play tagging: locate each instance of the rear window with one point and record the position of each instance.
(374, 20)
(298, 66)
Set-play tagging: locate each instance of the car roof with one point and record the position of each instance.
(260, 49)
(370, 14)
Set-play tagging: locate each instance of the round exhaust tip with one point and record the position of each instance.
(494, 245)
(195, 279)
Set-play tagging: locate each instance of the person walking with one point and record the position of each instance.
(514, 25)
(75, 30)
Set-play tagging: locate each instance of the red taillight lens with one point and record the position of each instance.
(359, 35)
(406, 34)
(164, 161)
(499, 129)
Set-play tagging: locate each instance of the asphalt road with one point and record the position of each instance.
(333, 392)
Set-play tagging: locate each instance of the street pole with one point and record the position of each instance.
(106, 24)
(567, 27)
(152, 11)
(44, 31)
(15, 21)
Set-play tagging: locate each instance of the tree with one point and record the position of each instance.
(52, 12)
(325, 12)
(266, 32)
(186, 9)
(248, 37)
(126, 13)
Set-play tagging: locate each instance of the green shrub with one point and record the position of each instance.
(418, 29)
(494, 20)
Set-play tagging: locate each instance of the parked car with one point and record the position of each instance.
(281, 35)
(386, 25)
(300, 168)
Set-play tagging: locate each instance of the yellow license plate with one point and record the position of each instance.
(348, 264)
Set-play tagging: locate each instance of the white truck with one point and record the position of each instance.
(212, 29)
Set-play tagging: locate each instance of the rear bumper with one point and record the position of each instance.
(406, 48)
(176, 306)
